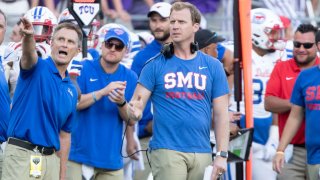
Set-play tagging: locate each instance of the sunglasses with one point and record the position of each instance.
(118, 47)
(305, 45)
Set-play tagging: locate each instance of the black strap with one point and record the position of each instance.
(26, 145)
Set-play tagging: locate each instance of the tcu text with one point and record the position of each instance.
(86, 9)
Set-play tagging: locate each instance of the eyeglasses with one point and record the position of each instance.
(118, 47)
(305, 45)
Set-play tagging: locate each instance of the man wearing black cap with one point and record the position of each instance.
(207, 41)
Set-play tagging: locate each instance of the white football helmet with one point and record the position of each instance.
(145, 37)
(66, 16)
(43, 21)
(93, 37)
(267, 30)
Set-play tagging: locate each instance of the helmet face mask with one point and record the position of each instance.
(42, 32)
(43, 22)
(267, 30)
(93, 37)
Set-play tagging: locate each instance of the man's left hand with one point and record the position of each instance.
(219, 167)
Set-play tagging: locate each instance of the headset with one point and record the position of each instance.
(168, 49)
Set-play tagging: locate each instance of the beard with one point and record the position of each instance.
(164, 37)
(306, 62)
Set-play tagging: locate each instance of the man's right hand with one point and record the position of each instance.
(26, 28)
(134, 109)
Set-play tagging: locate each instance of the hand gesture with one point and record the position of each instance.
(234, 116)
(132, 147)
(27, 28)
(219, 167)
(234, 129)
(116, 85)
(278, 162)
(117, 96)
(134, 109)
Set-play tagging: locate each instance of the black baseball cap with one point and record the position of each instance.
(204, 37)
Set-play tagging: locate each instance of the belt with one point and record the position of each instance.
(27, 145)
(300, 145)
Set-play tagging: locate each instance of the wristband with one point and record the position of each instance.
(280, 152)
(122, 104)
(94, 96)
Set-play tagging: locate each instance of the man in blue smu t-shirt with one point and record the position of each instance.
(305, 102)
(105, 85)
(183, 88)
(43, 107)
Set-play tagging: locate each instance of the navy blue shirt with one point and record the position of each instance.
(4, 104)
(43, 104)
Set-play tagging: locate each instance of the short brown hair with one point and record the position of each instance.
(195, 13)
(71, 26)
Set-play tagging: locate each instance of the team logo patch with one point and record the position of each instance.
(70, 92)
(119, 31)
(258, 18)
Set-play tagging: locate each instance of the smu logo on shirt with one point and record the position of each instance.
(191, 80)
(313, 93)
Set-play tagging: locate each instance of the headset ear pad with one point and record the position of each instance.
(167, 50)
(194, 47)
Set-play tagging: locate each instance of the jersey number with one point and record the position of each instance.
(257, 91)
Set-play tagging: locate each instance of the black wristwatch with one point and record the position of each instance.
(223, 154)
(122, 104)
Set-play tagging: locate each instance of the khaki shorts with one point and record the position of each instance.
(16, 164)
(296, 167)
(74, 172)
(173, 165)
(313, 172)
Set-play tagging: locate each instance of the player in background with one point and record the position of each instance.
(43, 22)
(267, 48)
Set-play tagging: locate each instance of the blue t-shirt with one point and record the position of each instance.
(182, 94)
(98, 135)
(144, 55)
(4, 104)
(94, 53)
(306, 93)
(221, 51)
(43, 104)
(139, 60)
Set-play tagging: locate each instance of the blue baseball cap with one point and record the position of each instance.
(117, 33)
